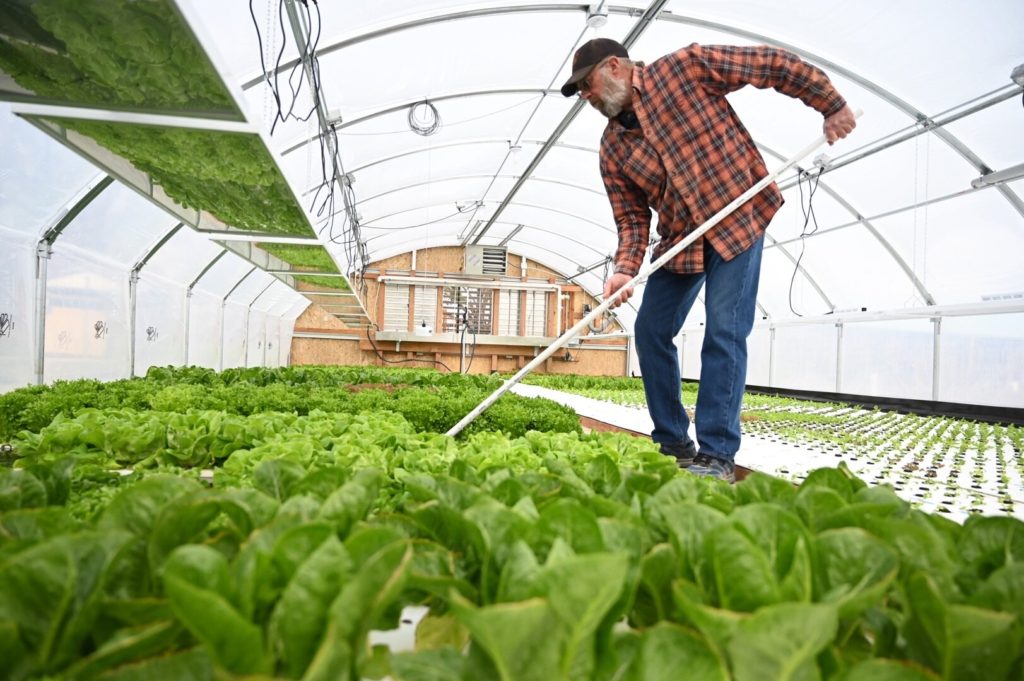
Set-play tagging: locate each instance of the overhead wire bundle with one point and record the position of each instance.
(334, 180)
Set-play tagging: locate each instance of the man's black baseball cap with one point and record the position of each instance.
(590, 54)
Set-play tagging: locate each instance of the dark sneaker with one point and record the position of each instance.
(712, 467)
(683, 452)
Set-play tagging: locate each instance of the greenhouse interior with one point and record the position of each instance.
(318, 358)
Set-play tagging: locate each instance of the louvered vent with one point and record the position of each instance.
(396, 307)
(491, 260)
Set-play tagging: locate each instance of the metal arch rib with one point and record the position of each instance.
(156, 247)
(401, 249)
(449, 145)
(534, 228)
(813, 282)
(438, 19)
(238, 283)
(58, 227)
(206, 269)
(477, 176)
(904, 106)
(642, 24)
(885, 243)
(368, 225)
(543, 92)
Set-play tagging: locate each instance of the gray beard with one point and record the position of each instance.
(615, 98)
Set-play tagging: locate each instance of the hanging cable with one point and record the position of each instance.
(272, 77)
(335, 185)
(384, 359)
(423, 118)
(446, 125)
(809, 218)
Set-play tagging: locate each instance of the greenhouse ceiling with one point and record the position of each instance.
(436, 123)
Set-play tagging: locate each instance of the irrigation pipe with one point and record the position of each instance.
(640, 278)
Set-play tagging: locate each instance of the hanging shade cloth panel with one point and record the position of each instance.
(159, 323)
(17, 309)
(119, 226)
(223, 276)
(83, 58)
(87, 318)
(38, 178)
(235, 335)
(204, 331)
(965, 249)
(980, 360)
(941, 62)
(183, 257)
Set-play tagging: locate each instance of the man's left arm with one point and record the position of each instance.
(724, 68)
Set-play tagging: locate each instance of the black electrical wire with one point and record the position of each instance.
(472, 352)
(809, 217)
(427, 125)
(272, 78)
(325, 196)
(400, 361)
(446, 125)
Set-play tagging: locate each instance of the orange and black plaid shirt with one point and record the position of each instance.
(692, 155)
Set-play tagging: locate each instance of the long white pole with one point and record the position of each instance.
(640, 278)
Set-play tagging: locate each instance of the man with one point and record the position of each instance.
(673, 143)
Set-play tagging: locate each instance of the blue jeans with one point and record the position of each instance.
(729, 300)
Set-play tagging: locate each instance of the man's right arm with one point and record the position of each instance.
(633, 223)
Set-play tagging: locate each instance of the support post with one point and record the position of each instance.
(936, 355)
(220, 352)
(43, 252)
(133, 299)
(188, 319)
(839, 357)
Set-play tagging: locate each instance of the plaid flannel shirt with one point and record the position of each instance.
(692, 155)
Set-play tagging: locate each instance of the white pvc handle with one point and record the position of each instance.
(640, 278)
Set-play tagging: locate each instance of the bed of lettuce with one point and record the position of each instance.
(546, 555)
(141, 56)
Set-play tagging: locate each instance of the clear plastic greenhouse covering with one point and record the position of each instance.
(904, 281)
